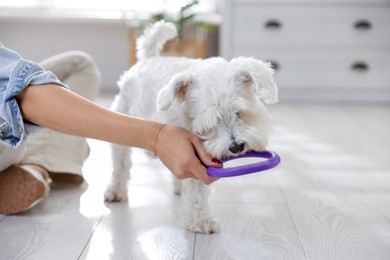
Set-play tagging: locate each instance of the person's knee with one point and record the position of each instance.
(86, 78)
(85, 62)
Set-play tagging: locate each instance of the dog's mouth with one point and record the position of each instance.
(232, 150)
(234, 153)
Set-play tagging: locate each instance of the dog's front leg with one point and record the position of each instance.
(197, 214)
(117, 189)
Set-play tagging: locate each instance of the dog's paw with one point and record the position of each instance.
(115, 194)
(206, 226)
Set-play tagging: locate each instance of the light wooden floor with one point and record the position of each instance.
(329, 199)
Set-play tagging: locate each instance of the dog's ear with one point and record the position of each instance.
(245, 78)
(175, 89)
(259, 74)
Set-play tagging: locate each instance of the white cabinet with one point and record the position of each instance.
(322, 49)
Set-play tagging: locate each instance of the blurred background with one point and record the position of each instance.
(328, 199)
(322, 50)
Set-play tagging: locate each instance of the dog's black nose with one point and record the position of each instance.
(236, 147)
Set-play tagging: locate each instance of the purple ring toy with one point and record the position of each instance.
(273, 159)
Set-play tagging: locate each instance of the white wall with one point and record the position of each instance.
(104, 40)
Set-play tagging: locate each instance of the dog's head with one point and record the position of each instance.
(224, 103)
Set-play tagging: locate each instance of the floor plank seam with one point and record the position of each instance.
(249, 203)
(193, 247)
(292, 220)
(92, 233)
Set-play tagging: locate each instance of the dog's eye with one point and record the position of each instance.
(238, 115)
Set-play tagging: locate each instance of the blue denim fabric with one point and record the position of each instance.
(16, 74)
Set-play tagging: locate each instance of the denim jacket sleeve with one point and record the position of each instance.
(16, 74)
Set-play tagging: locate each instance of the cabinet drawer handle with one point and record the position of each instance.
(275, 65)
(362, 24)
(360, 66)
(273, 24)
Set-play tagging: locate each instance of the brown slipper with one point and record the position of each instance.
(22, 187)
(66, 178)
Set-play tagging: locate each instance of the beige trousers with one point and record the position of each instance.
(57, 152)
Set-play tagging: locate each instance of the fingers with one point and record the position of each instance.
(199, 170)
(189, 159)
(193, 168)
(200, 173)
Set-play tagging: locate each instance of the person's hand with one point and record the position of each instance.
(183, 154)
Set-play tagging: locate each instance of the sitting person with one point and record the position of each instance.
(36, 97)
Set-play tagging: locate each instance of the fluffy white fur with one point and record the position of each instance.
(224, 102)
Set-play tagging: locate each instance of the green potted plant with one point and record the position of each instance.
(186, 16)
(191, 33)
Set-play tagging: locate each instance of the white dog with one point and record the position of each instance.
(222, 102)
